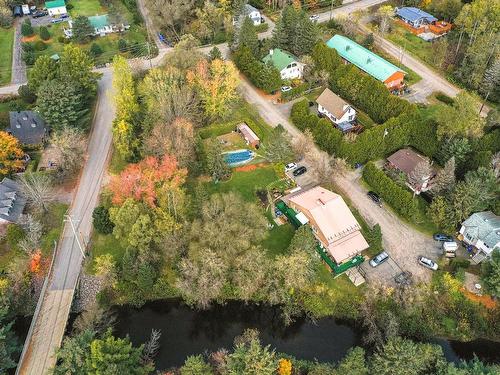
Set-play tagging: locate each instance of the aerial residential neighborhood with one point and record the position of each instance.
(249, 188)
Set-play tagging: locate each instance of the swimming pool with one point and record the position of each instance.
(238, 157)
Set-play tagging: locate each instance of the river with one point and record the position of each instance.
(186, 331)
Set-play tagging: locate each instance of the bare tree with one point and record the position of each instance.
(495, 164)
(33, 233)
(303, 144)
(384, 14)
(152, 346)
(420, 174)
(37, 189)
(94, 318)
(321, 165)
(445, 178)
(70, 145)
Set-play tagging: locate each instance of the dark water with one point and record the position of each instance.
(186, 332)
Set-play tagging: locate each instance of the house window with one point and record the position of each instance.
(351, 117)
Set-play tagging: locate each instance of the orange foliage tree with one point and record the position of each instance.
(10, 154)
(285, 367)
(147, 180)
(36, 262)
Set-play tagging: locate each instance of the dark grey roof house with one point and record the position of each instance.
(11, 201)
(28, 127)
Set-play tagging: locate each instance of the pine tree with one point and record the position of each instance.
(247, 37)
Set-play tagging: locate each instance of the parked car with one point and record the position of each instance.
(285, 88)
(40, 13)
(374, 197)
(299, 171)
(64, 16)
(380, 258)
(442, 237)
(428, 263)
(57, 20)
(290, 167)
(314, 17)
(450, 249)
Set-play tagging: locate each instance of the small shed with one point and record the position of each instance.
(249, 135)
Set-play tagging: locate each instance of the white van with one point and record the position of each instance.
(450, 249)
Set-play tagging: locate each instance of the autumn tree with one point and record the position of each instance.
(176, 139)
(384, 14)
(37, 189)
(185, 55)
(216, 83)
(202, 279)
(69, 145)
(167, 96)
(153, 181)
(173, 14)
(250, 274)
(11, 154)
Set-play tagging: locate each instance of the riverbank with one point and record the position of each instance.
(191, 332)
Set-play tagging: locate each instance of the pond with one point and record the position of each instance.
(186, 331)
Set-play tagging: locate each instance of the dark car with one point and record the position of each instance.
(442, 237)
(374, 197)
(299, 171)
(40, 13)
(17, 11)
(64, 16)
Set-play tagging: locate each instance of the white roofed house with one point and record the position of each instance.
(481, 231)
(341, 113)
(250, 12)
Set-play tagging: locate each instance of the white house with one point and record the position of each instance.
(336, 109)
(252, 13)
(56, 7)
(286, 63)
(481, 231)
(100, 24)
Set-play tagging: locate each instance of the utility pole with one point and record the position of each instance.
(331, 10)
(70, 220)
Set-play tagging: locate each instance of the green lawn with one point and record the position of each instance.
(245, 183)
(104, 244)
(278, 239)
(53, 223)
(6, 43)
(410, 78)
(86, 8)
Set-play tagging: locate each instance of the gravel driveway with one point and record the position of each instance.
(403, 243)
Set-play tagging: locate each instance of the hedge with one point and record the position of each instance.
(295, 92)
(216, 130)
(359, 88)
(395, 195)
(409, 129)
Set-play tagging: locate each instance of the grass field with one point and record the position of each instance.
(86, 8)
(104, 244)
(6, 43)
(53, 221)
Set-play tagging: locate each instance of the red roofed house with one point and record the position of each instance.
(331, 221)
(249, 135)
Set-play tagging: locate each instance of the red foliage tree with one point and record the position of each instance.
(36, 262)
(144, 180)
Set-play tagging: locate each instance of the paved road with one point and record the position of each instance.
(51, 323)
(348, 8)
(18, 64)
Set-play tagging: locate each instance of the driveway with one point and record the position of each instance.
(403, 243)
(41, 21)
(18, 65)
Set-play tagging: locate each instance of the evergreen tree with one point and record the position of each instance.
(9, 346)
(82, 29)
(26, 28)
(95, 50)
(247, 37)
(215, 54)
(44, 33)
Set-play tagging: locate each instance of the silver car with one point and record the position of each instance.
(380, 258)
(428, 263)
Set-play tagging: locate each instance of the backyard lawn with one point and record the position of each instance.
(104, 244)
(86, 8)
(6, 42)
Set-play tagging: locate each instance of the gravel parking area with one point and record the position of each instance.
(41, 21)
(403, 243)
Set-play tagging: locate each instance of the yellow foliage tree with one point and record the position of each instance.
(296, 4)
(11, 154)
(123, 138)
(124, 95)
(216, 83)
(285, 367)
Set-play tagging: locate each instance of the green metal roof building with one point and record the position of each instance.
(55, 4)
(98, 22)
(366, 60)
(279, 59)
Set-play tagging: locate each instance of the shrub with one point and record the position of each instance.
(26, 28)
(26, 94)
(69, 6)
(444, 98)
(95, 50)
(28, 57)
(396, 196)
(122, 45)
(44, 33)
(14, 234)
(61, 39)
(102, 222)
(39, 46)
(27, 47)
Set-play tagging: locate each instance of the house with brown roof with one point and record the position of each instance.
(249, 135)
(331, 221)
(411, 164)
(341, 113)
